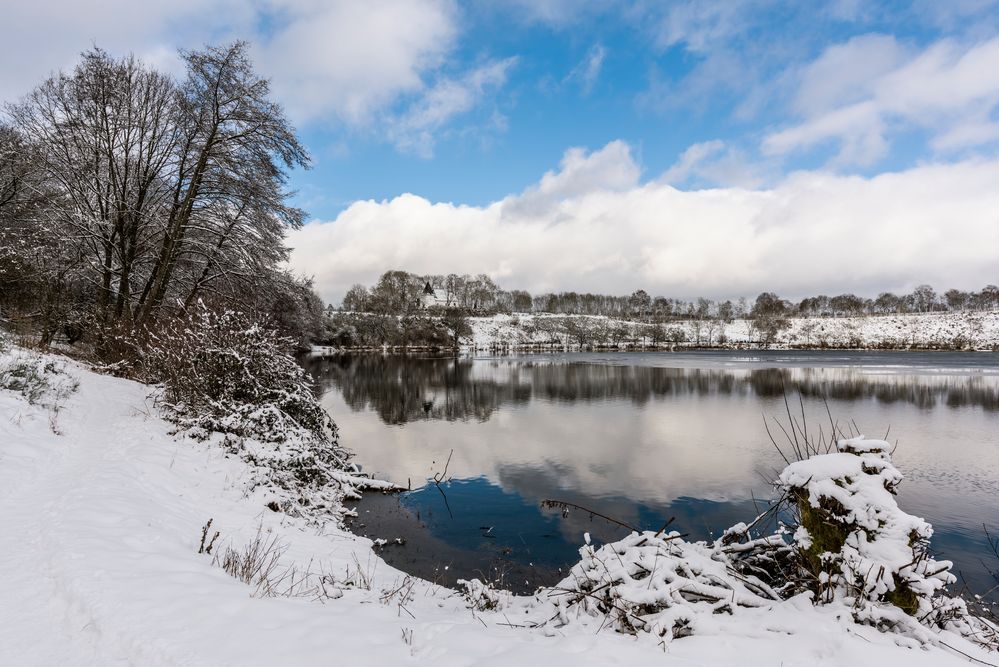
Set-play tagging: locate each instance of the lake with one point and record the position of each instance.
(641, 438)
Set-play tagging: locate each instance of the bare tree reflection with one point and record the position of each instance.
(401, 389)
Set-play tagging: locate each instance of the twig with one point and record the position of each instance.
(969, 657)
(562, 504)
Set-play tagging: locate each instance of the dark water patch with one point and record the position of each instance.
(471, 528)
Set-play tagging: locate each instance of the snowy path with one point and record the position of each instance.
(98, 566)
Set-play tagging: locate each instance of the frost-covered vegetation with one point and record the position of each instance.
(39, 378)
(142, 224)
(932, 331)
(401, 293)
(227, 377)
(855, 544)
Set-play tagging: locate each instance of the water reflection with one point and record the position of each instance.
(643, 438)
(403, 389)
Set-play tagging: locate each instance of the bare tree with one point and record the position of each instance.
(156, 194)
(228, 186)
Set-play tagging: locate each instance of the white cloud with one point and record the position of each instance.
(856, 93)
(587, 71)
(416, 129)
(39, 37)
(858, 128)
(691, 158)
(330, 60)
(593, 225)
(580, 174)
(847, 73)
(716, 163)
(556, 14)
(701, 26)
(353, 58)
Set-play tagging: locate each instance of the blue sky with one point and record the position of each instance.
(660, 76)
(712, 147)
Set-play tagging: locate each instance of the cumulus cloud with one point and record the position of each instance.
(594, 225)
(352, 58)
(856, 93)
(610, 169)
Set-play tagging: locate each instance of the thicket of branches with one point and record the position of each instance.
(400, 293)
(127, 196)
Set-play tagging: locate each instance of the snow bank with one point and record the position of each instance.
(972, 330)
(100, 566)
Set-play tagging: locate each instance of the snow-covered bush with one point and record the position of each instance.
(658, 583)
(41, 379)
(856, 545)
(225, 373)
(482, 596)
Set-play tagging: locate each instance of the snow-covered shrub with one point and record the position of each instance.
(482, 596)
(41, 379)
(854, 544)
(658, 583)
(225, 373)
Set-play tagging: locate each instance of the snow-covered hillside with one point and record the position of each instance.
(978, 330)
(102, 513)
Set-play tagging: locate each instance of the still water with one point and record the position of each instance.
(641, 438)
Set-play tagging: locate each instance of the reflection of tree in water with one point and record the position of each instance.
(922, 391)
(402, 389)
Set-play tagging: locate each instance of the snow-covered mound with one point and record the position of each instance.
(858, 546)
(103, 512)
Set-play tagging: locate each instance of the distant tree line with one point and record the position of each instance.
(127, 196)
(401, 293)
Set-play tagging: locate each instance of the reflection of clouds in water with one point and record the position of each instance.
(650, 456)
(639, 442)
(646, 433)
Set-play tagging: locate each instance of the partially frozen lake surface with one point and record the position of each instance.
(643, 437)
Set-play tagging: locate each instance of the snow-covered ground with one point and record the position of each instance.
(977, 330)
(102, 511)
